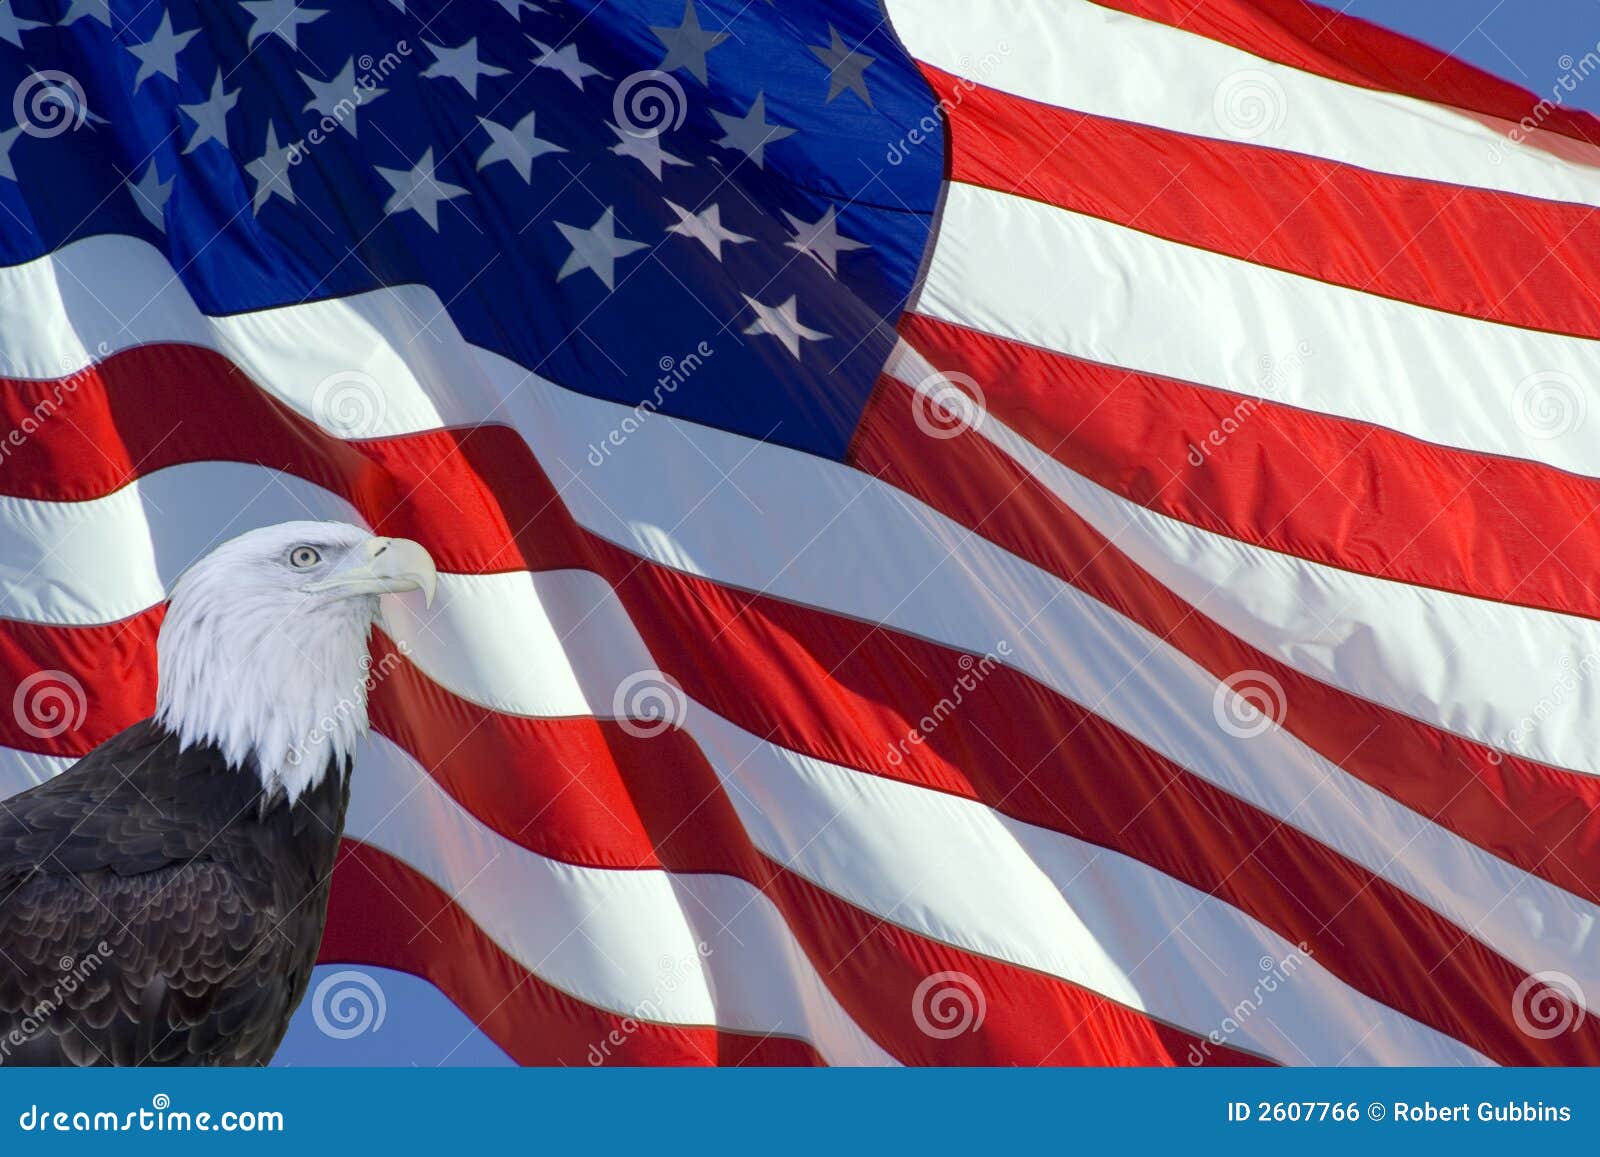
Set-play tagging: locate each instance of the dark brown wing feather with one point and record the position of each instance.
(152, 911)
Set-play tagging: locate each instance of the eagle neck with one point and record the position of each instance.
(282, 696)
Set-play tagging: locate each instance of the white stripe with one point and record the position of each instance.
(691, 949)
(1081, 56)
(832, 538)
(105, 559)
(603, 935)
(947, 868)
(63, 312)
(943, 867)
(1473, 666)
(1504, 675)
(962, 873)
(527, 644)
(1493, 672)
(1180, 312)
(1065, 281)
(1499, 674)
(1512, 677)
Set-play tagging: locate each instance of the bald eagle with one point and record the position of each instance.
(162, 901)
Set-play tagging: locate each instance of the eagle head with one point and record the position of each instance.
(263, 651)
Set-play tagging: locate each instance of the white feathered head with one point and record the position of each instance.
(263, 651)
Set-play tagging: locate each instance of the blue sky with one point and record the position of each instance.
(1520, 40)
(1523, 41)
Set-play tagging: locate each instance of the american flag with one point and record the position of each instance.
(1020, 532)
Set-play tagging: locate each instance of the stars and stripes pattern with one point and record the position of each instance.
(1035, 532)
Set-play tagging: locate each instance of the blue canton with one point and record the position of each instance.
(594, 191)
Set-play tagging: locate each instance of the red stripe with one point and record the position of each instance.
(658, 804)
(1475, 252)
(549, 540)
(587, 791)
(1342, 493)
(384, 913)
(498, 463)
(850, 693)
(1539, 818)
(842, 691)
(1317, 39)
(156, 406)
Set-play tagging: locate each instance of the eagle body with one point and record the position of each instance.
(158, 909)
(162, 901)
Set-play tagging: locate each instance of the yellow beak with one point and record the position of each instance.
(389, 566)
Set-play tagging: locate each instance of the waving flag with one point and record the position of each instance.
(1032, 532)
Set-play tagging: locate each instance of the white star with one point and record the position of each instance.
(461, 64)
(687, 44)
(211, 116)
(160, 52)
(846, 67)
(281, 16)
(751, 133)
(150, 194)
(596, 248)
(99, 9)
(12, 27)
(780, 321)
(646, 150)
(418, 189)
(518, 145)
(513, 7)
(705, 227)
(565, 61)
(7, 139)
(341, 97)
(271, 171)
(822, 239)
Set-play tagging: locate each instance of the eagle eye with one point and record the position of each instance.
(304, 557)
